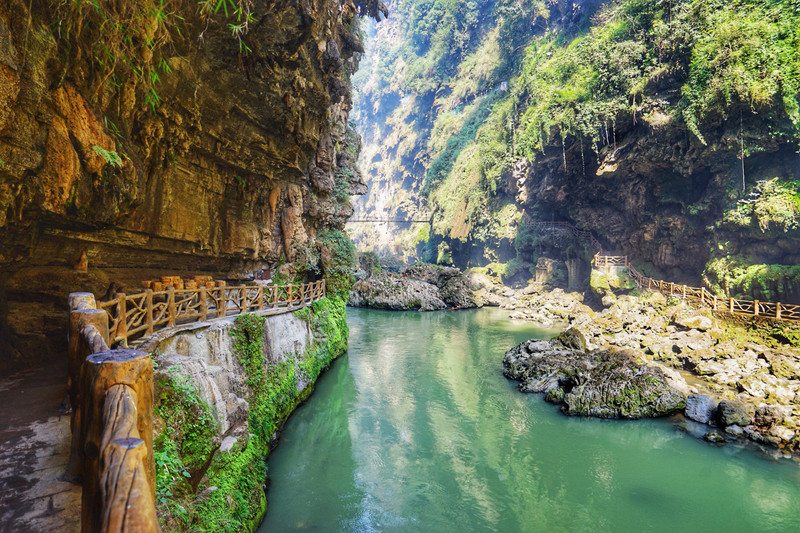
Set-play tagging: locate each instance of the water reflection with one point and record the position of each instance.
(417, 430)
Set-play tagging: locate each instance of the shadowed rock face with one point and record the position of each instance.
(602, 383)
(229, 160)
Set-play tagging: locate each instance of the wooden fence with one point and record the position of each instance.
(112, 390)
(112, 425)
(699, 295)
(132, 315)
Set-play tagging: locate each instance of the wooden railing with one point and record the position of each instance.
(112, 425)
(693, 294)
(140, 314)
(700, 295)
(112, 390)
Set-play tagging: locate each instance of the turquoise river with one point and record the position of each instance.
(416, 429)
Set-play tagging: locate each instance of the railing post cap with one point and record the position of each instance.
(84, 300)
(116, 356)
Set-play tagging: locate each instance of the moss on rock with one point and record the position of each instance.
(206, 486)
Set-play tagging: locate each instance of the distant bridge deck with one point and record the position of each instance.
(389, 220)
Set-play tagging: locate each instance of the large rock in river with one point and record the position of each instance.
(601, 383)
(421, 287)
(386, 290)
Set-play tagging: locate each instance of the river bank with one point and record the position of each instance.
(740, 377)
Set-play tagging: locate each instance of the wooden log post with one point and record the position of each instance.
(125, 495)
(77, 351)
(133, 369)
(778, 310)
(122, 322)
(755, 307)
(274, 297)
(684, 292)
(731, 305)
(171, 306)
(715, 302)
(290, 295)
(260, 297)
(242, 300)
(148, 311)
(203, 304)
(702, 295)
(222, 305)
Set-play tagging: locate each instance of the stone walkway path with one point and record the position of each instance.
(34, 450)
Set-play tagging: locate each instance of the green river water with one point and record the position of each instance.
(416, 429)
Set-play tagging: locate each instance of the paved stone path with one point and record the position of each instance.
(34, 450)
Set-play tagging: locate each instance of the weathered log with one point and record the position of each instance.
(127, 504)
(81, 300)
(101, 372)
(77, 350)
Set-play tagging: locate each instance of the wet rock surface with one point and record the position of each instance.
(600, 383)
(732, 378)
(421, 287)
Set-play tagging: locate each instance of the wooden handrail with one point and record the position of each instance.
(148, 311)
(112, 429)
(700, 295)
(112, 390)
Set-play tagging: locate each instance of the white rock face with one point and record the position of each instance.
(206, 355)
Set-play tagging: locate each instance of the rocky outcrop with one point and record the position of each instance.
(731, 377)
(222, 393)
(603, 383)
(176, 145)
(422, 287)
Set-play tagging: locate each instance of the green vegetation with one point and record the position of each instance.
(182, 446)
(338, 261)
(247, 334)
(735, 277)
(570, 88)
(202, 489)
(109, 156)
(774, 204)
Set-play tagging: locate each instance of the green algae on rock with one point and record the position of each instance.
(602, 383)
(223, 395)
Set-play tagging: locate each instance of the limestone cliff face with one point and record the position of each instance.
(191, 140)
(496, 137)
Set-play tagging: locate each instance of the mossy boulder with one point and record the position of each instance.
(732, 413)
(601, 383)
(573, 338)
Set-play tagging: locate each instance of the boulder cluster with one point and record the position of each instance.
(627, 358)
(602, 383)
(421, 287)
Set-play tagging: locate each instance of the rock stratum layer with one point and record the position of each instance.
(179, 138)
